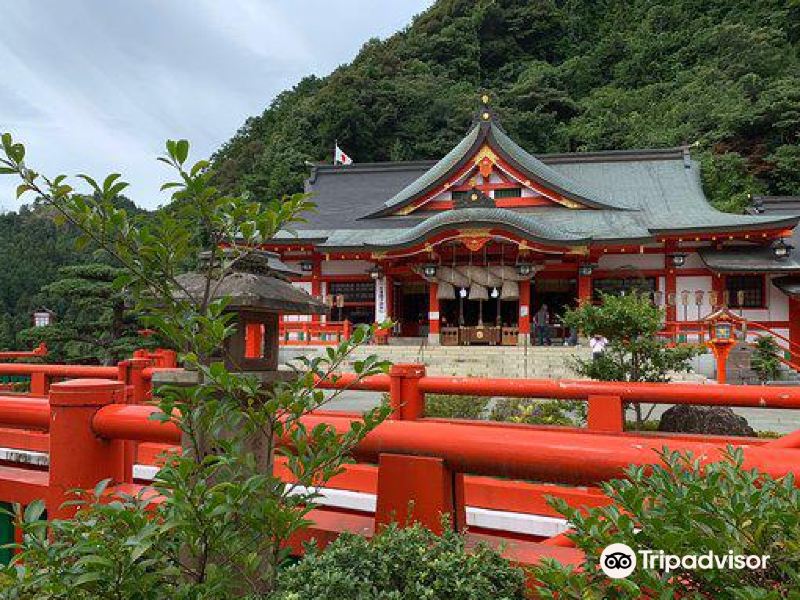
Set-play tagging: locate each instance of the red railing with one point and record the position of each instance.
(38, 352)
(306, 333)
(93, 427)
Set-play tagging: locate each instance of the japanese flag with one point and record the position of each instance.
(340, 158)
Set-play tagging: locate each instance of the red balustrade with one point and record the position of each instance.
(443, 465)
(314, 333)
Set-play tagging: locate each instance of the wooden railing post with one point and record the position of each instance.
(78, 457)
(137, 391)
(40, 384)
(347, 329)
(419, 489)
(606, 414)
(405, 397)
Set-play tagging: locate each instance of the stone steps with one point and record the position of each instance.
(551, 362)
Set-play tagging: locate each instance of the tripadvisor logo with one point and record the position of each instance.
(618, 561)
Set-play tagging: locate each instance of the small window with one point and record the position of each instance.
(508, 193)
(745, 291)
(619, 286)
(462, 195)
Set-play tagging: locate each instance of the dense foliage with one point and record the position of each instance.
(571, 75)
(403, 564)
(92, 323)
(682, 507)
(34, 247)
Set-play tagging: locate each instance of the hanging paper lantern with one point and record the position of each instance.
(445, 291)
(495, 293)
(510, 290)
(478, 292)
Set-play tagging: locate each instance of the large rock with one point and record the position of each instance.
(704, 419)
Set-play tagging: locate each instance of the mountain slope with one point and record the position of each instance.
(570, 75)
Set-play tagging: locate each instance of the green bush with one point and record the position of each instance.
(765, 361)
(683, 508)
(446, 406)
(538, 412)
(402, 564)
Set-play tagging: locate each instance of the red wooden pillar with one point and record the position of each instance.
(524, 307)
(433, 313)
(78, 457)
(584, 288)
(794, 328)
(670, 287)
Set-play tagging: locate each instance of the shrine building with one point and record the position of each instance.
(467, 249)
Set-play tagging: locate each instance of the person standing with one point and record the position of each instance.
(598, 345)
(542, 320)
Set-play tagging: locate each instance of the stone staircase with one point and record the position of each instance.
(518, 362)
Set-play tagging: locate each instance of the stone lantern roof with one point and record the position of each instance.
(257, 282)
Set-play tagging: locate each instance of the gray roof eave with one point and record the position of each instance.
(747, 260)
(756, 223)
(522, 224)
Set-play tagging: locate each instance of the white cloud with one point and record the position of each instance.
(96, 86)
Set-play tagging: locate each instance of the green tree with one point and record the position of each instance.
(631, 323)
(92, 323)
(226, 515)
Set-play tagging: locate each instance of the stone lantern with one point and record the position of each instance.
(722, 326)
(259, 291)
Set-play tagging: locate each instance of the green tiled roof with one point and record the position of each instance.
(489, 132)
(529, 226)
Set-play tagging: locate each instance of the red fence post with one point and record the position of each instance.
(419, 489)
(78, 457)
(40, 383)
(606, 414)
(131, 372)
(405, 397)
(347, 329)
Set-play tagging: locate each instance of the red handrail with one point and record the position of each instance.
(27, 413)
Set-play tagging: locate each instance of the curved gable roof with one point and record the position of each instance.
(487, 132)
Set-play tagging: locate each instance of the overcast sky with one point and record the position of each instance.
(96, 86)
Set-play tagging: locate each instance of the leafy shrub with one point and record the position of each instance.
(446, 406)
(402, 564)
(684, 508)
(538, 412)
(104, 552)
(765, 361)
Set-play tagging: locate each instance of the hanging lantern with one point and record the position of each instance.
(495, 292)
(462, 292)
(430, 270)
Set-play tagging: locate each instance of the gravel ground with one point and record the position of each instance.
(777, 420)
